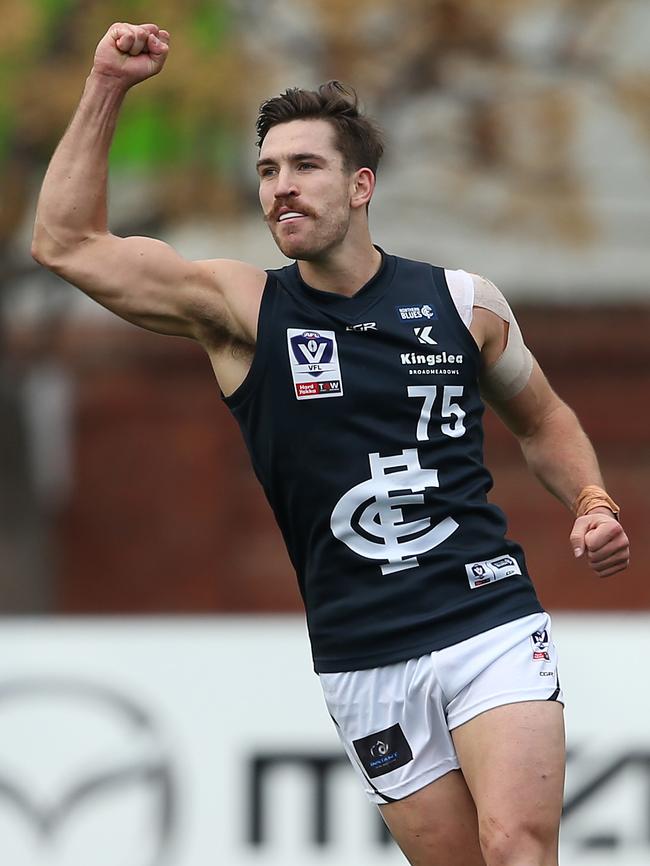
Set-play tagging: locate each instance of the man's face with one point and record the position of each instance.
(304, 188)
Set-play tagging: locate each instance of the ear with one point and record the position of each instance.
(362, 186)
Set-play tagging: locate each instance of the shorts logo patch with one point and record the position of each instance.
(383, 752)
(314, 360)
(414, 312)
(540, 645)
(491, 570)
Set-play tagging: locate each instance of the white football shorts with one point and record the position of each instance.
(395, 721)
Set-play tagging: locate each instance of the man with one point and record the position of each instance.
(354, 376)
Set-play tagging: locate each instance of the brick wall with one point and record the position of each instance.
(166, 515)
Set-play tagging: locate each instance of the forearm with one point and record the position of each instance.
(73, 200)
(558, 451)
(560, 454)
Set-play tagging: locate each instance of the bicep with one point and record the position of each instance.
(506, 361)
(511, 380)
(525, 412)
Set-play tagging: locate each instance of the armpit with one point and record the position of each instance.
(214, 329)
(241, 351)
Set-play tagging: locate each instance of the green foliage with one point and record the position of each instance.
(169, 131)
(53, 9)
(144, 138)
(161, 128)
(210, 23)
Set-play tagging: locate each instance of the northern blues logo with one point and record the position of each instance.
(314, 360)
(414, 312)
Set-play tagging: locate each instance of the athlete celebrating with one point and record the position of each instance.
(355, 377)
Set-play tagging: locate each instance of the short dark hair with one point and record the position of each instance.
(357, 136)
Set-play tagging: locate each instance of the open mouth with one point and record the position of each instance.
(290, 215)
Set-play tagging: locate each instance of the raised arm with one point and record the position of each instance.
(552, 440)
(140, 279)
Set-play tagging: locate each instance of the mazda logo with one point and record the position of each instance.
(85, 777)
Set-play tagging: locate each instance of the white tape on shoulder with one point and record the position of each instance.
(487, 296)
(461, 289)
(510, 374)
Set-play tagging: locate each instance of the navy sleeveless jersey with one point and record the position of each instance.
(362, 417)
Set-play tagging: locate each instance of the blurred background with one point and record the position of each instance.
(518, 147)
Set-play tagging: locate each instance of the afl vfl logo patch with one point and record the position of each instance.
(491, 570)
(314, 360)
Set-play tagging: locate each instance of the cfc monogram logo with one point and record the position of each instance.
(369, 517)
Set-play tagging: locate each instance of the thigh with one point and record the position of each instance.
(513, 759)
(437, 826)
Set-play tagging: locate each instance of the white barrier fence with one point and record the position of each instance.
(186, 742)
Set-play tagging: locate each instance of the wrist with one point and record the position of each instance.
(594, 499)
(603, 509)
(107, 83)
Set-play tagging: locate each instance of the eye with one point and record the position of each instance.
(267, 171)
(308, 165)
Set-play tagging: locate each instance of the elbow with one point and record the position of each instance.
(55, 253)
(44, 250)
(39, 254)
(556, 421)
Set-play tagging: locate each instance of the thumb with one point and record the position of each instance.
(577, 536)
(156, 45)
(157, 48)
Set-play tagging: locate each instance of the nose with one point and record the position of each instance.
(286, 185)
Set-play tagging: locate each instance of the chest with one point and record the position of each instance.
(405, 372)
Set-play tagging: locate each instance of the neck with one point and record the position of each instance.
(343, 270)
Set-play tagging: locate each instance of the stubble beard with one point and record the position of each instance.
(321, 238)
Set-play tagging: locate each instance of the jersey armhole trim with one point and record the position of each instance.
(258, 367)
(463, 289)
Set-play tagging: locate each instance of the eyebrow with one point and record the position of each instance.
(293, 157)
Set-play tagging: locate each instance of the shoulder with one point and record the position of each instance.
(233, 287)
(228, 273)
(488, 297)
(490, 316)
(237, 282)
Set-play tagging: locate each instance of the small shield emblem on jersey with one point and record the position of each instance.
(540, 645)
(314, 361)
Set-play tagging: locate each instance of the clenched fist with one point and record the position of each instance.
(602, 538)
(131, 53)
